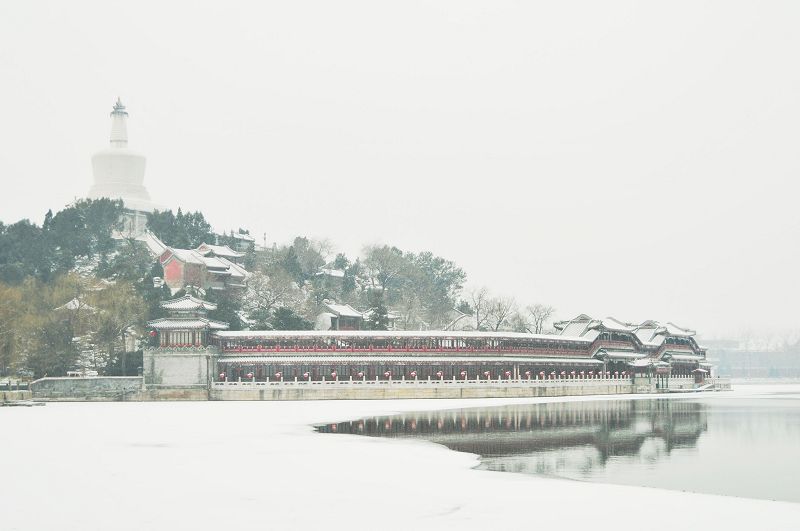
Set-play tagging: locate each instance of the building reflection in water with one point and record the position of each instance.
(572, 439)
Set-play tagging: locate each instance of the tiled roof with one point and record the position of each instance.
(218, 250)
(282, 334)
(186, 303)
(188, 255)
(338, 273)
(236, 271)
(343, 310)
(200, 323)
(648, 332)
(340, 359)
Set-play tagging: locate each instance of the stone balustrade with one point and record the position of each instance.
(565, 380)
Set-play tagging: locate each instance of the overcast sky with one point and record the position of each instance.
(634, 159)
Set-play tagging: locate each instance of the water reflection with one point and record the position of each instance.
(740, 447)
(549, 438)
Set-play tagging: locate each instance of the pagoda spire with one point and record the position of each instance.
(119, 125)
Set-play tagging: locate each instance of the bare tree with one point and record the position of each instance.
(479, 300)
(539, 315)
(500, 311)
(266, 293)
(410, 308)
(323, 247)
(520, 322)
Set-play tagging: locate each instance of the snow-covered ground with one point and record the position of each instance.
(237, 465)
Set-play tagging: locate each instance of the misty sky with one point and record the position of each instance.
(634, 159)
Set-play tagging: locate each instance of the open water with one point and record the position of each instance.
(746, 447)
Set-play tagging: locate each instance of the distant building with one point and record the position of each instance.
(189, 267)
(178, 355)
(393, 319)
(242, 241)
(220, 251)
(333, 275)
(648, 347)
(736, 360)
(187, 349)
(119, 174)
(338, 317)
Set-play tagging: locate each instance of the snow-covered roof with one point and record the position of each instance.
(391, 315)
(282, 334)
(650, 332)
(624, 354)
(574, 328)
(378, 357)
(189, 256)
(342, 310)
(154, 245)
(218, 250)
(609, 323)
(684, 356)
(582, 318)
(336, 273)
(243, 237)
(235, 269)
(217, 265)
(76, 304)
(648, 335)
(199, 323)
(188, 303)
(675, 330)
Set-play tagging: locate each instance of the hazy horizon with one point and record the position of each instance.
(626, 160)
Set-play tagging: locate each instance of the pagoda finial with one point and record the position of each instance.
(119, 129)
(119, 108)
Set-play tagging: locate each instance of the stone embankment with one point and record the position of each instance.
(110, 389)
(14, 396)
(411, 389)
(100, 388)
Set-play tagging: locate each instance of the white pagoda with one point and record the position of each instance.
(119, 174)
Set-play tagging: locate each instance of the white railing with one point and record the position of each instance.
(362, 383)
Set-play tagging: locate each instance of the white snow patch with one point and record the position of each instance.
(260, 465)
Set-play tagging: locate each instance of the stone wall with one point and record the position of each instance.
(172, 394)
(102, 388)
(177, 367)
(384, 390)
(13, 396)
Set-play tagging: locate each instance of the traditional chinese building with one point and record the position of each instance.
(180, 353)
(220, 251)
(649, 348)
(583, 349)
(207, 270)
(335, 316)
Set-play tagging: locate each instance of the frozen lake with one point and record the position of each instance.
(213, 465)
(746, 446)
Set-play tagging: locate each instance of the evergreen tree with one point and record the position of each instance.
(23, 253)
(286, 319)
(378, 315)
(54, 353)
(229, 307)
(183, 231)
(291, 265)
(341, 262)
